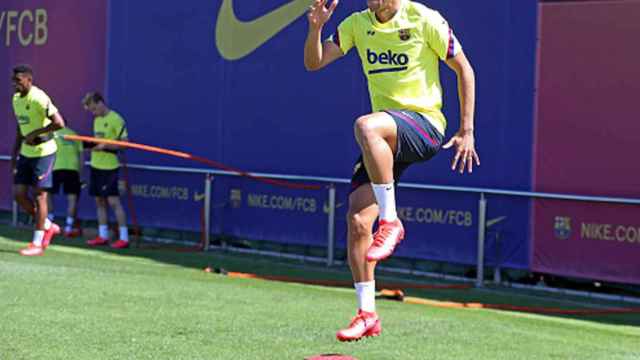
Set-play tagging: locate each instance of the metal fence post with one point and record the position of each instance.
(207, 211)
(482, 214)
(331, 217)
(14, 214)
(497, 277)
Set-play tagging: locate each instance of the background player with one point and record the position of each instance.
(105, 167)
(34, 154)
(67, 173)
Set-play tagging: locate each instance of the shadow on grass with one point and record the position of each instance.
(266, 266)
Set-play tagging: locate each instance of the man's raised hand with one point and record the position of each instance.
(319, 13)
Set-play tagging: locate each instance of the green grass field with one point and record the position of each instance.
(81, 303)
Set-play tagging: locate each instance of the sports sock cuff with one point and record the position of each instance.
(124, 233)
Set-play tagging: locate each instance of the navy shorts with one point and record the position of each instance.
(104, 183)
(35, 171)
(68, 180)
(418, 141)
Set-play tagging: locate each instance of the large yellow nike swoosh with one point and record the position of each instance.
(236, 39)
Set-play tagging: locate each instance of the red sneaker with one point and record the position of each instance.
(32, 250)
(385, 240)
(73, 233)
(49, 234)
(120, 244)
(362, 325)
(98, 241)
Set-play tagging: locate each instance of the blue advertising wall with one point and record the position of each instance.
(264, 112)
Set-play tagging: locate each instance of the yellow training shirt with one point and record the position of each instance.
(32, 112)
(400, 58)
(68, 156)
(112, 127)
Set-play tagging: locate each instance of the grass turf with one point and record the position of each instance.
(80, 303)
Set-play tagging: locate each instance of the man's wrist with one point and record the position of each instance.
(315, 28)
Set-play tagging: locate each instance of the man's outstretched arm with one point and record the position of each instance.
(316, 53)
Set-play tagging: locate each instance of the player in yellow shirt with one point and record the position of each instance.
(66, 176)
(105, 166)
(34, 154)
(400, 44)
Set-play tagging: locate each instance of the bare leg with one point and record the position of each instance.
(72, 207)
(363, 211)
(41, 210)
(377, 136)
(103, 223)
(101, 208)
(20, 194)
(116, 205)
(38, 209)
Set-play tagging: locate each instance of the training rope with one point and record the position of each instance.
(184, 155)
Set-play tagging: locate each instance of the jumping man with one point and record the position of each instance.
(400, 44)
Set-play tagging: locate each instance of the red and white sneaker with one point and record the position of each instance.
(362, 325)
(120, 244)
(32, 250)
(98, 241)
(54, 230)
(73, 233)
(385, 240)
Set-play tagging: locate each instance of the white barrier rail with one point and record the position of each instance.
(482, 202)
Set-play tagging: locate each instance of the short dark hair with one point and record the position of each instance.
(92, 97)
(23, 69)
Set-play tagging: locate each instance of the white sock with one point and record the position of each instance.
(47, 223)
(38, 235)
(51, 216)
(69, 225)
(386, 199)
(103, 231)
(366, 293)
(124, 233)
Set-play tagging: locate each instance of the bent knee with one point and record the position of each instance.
(364, 128)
